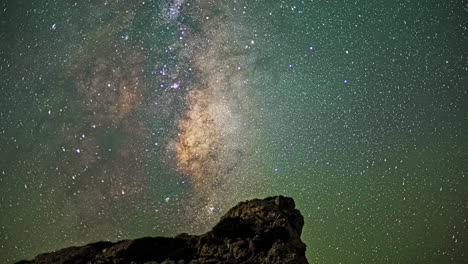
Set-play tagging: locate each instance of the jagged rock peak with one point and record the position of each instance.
(255, 231)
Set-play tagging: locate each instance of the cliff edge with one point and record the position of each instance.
(255, 231)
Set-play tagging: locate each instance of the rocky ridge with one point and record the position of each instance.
(255, 231)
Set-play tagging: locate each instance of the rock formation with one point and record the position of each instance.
(255, 231)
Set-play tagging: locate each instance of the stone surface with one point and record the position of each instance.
(255, 231)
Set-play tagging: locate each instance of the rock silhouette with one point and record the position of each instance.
(255, 231)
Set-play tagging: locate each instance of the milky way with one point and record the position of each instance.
(216, 131)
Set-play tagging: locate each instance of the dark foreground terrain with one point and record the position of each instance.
(255, 231)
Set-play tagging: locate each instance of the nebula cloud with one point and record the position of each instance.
(215, 136)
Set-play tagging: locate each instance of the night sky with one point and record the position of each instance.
(123, 119)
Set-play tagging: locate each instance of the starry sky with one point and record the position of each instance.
(122, 119)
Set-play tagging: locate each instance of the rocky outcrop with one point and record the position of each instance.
(255, 231)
